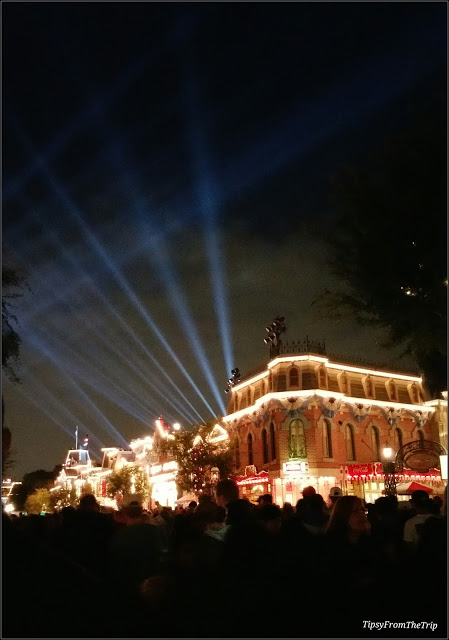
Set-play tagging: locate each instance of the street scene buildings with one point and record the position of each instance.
(303, 420)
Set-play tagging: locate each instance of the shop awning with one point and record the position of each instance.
(407, 488)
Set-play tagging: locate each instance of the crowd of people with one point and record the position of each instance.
(224, 567)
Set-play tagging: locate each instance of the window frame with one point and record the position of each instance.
(327, 439)
(265, 452)
(250, 443)
(349, 429)
(273, 441)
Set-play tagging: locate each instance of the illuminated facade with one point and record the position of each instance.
(144, 453)
(306, 420)
(9, 487)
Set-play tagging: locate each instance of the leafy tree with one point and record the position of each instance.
(38, 479)
(63, 498)
(38, 501)
(195, 462)
(7, 461)
(13, 283)
(387, 245)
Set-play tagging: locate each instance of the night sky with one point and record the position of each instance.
(165, 184)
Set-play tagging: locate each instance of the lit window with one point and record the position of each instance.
(322, 378)
(294, 377)
(296, 440)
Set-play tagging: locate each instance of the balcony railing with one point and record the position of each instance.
(316, 347)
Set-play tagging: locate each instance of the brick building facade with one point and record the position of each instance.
(330, 417)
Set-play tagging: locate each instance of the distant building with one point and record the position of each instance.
(144, 453)
(307, 419)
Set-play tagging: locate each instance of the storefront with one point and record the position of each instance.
(253, 486)
(295, 476)
(367, 480)
(163, 484)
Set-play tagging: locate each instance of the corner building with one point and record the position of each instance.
(307, 420)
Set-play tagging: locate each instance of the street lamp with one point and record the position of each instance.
(215, 477)
(389, 468)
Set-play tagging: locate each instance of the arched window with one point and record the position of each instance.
(237, 453)
(397, 439)
(250, 449)
(327, 439)
(350, 446)
(294, 377)
(415, 394)
(273, 442)
(392, 391)
(375, 443)
(322, 378)
(369, 388)
(296, 440)
(265, 446)
(344, 383)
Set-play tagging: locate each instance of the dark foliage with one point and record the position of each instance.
(387, 245)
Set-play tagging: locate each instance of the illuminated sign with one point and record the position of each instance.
(296, 467)
(255, 480)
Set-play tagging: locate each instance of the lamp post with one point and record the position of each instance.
(389, 468)
(215, 476)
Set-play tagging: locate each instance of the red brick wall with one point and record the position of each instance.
(314, 439)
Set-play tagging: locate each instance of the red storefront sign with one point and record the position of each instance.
(259, 478)
(366, 469)
(375, 469)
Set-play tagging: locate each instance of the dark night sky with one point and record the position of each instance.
(165, 173)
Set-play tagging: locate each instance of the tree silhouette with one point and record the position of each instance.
(387, 245)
